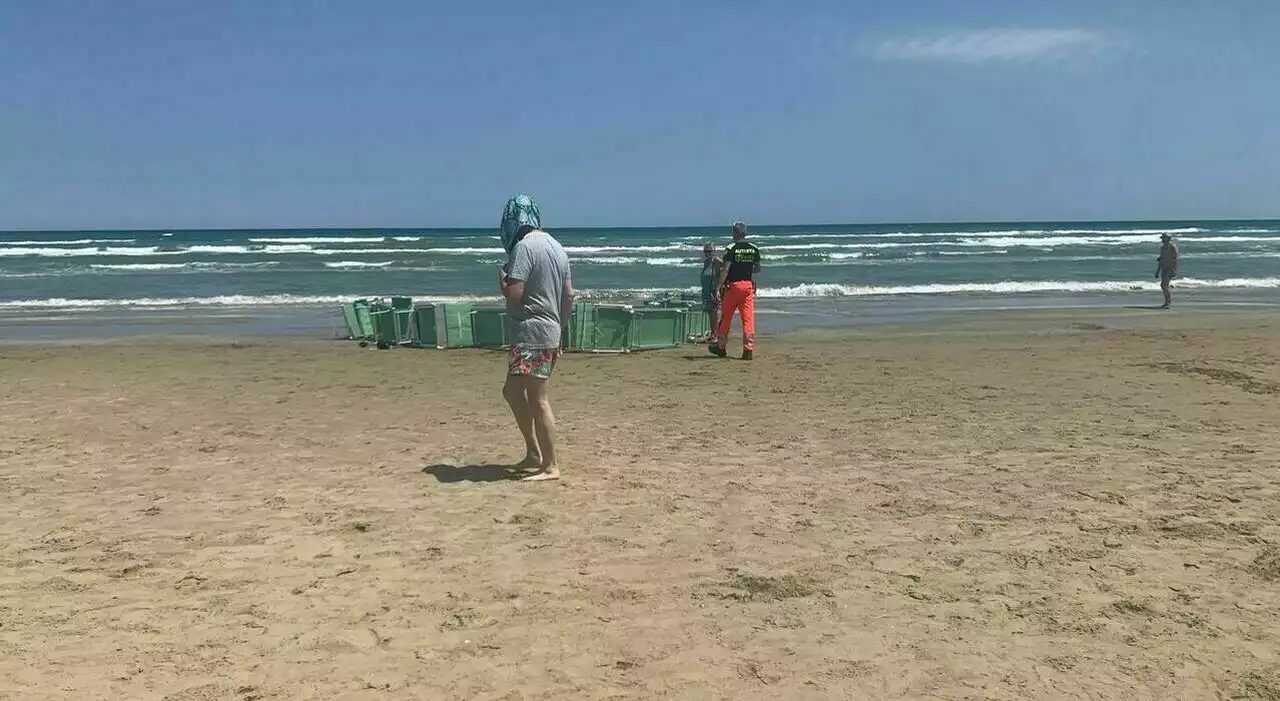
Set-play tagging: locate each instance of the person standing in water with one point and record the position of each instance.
(738, 293)
(711, 266)
(1167, 267)
(539, 293)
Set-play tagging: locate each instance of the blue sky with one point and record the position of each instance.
(256, 113)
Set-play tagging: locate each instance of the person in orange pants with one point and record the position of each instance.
(738, 293)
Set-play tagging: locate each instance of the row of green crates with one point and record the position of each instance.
(592, 327)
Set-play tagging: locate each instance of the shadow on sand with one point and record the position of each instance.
(1150, 308)
(475, 473)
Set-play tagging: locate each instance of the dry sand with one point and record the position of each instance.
(1044, 508)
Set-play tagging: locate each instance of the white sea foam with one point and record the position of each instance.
(140, 266)
(369, 251)
(355, 264)
(606, 260)
(319, 239)
(675, 262)
(1187, 230)
(631, 260)
(259, 250)
(804, 290)
(220, 249)
(1230, 239)
(144, 267)
(71, 242)
(1006, 287)
(1054, 238)
(969, 234)
(223, 265)
(571, 250)
(19, 252)
(217, 301)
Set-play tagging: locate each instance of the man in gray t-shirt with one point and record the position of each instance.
(539, 294)
(536, 317)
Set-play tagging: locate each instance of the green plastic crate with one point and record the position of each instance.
(579, 336)
(363, 314)
(356, 314)
(695, 323)
(353, 323)
(424, 326)
(456, 322)
(402, 307)
(384, 325)
(657, 328)
(611, 327)
(489, 327)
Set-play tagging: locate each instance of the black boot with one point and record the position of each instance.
(746, 354)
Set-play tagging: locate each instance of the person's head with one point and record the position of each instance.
(519, 217)
(1166, 239)
(739, 230)
(708, 251)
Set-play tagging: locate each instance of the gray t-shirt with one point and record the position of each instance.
(539, 262)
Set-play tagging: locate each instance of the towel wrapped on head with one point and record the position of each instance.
(521, 212)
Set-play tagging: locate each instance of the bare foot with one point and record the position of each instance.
(546, 474)
(531, 461)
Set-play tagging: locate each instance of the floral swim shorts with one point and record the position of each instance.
(535, 362)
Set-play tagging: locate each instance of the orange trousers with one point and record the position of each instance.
(740, 297)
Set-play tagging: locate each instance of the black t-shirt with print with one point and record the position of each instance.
(742, 257)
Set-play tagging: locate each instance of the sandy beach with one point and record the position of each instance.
(1018, 506)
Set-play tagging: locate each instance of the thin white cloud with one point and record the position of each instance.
(990, 45)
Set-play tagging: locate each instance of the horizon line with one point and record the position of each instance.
(939, 222)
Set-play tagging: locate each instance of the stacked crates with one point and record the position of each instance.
(593, 327)
(620, 328)
(390, 321)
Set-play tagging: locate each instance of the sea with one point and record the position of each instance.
(292, 281)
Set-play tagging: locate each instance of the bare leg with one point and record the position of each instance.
(544, 423)
(514, 391)
(1168, 295)
(713, 318)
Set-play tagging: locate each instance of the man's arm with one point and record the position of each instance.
(512, 282)
(1174, 272)
(512, 290)
(723, 278)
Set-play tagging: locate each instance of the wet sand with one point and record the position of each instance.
(1021, 506)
